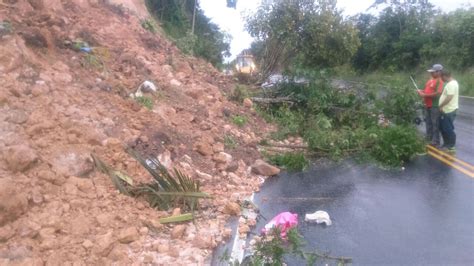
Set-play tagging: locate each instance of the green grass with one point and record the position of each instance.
(92, 61)
(145, 101)
(239, 93)
(290, 161)
(230, 142)
(150, 25)
(466, 83)
(465, 79)
(239, 120)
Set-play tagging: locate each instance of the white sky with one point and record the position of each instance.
(231, 20)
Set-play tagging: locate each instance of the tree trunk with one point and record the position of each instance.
(194, 17)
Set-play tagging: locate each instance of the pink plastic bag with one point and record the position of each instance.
(284, 221)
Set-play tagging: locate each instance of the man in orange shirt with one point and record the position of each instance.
(431, 94)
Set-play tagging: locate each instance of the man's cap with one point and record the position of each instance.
(436, 68)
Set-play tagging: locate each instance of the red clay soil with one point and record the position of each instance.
(59, 105)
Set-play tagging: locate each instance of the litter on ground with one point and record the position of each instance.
(284, 221)
(145, 87)
(318, 217)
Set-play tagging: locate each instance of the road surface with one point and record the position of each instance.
(423, 215)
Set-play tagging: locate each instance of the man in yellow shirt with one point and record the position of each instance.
(448, 105)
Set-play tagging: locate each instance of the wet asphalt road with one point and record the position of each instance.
(423, 215)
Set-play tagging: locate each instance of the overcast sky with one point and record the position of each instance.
(231, 20)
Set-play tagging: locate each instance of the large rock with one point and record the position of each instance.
(13, 202)
(18, 117)
(71, 163)
(20, 158)
(104, 244)
(232, 208)
(222, 157)
(178, 231)
(204, 149)
(204, 241)
(262, 168)
(248, 103)
(128, 235)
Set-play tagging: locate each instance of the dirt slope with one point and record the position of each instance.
(59, 105)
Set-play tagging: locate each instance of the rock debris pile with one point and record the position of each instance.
(59, 104)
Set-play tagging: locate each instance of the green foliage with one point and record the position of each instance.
(145, 101)
(272, 248)
(380, 82)
(209, 42)
(340, 123)
(304, 33)
(150, 25)
(230, 142)
(400, 104)
(290, 120)
(167, 189)
(290, 161)
(466, 82)
(239, 120)
(93, 61)
(396, 145)
(239, 93)
(452, 39)
(187, 43)
(410, 33)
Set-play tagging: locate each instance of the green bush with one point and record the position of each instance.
(396, 145)
(186, 43)
(240, 121)
(208, 41)
(340, 123)
(290, 161)
(150, 25)
(145, 101)
(239, 93)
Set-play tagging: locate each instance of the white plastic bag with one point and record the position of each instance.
(318, 217)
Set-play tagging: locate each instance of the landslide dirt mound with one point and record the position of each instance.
(59, 105)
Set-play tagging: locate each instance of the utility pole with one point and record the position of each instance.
(194, 17)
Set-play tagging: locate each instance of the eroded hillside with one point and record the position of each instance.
(59, 105)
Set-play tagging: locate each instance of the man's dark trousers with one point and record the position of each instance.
(432, 116)
(446, 123)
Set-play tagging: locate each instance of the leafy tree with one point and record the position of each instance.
(209, 42)
(408, 33)
(303, 33)
(452, 39)
(364, 24)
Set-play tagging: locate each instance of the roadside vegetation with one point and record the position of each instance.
(402, 78)
(207, 40)
(166, 190)
(291, 161)
(272, 248)
(239, 120)
(373, 117)
(340, 123)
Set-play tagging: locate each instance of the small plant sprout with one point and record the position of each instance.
(239, 120)
(145, 101)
